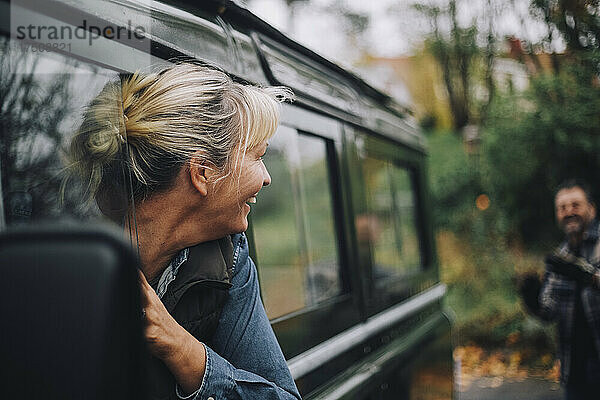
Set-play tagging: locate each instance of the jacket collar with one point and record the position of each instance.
(209, 263)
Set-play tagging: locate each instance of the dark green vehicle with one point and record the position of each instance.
(342, 239)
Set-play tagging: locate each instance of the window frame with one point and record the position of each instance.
(303, 329)
(380, 296)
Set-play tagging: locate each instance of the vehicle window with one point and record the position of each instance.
(293, 225)
(389, 225)
(43, 97)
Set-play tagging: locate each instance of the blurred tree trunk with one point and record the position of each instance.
(456, 55)
(489, 57)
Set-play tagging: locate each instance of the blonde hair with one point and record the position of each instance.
(153, 124)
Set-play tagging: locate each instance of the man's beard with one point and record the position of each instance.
(573, 227)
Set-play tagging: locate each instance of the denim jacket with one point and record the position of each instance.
(245, 360)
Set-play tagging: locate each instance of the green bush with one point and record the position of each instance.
(534, 141)
(479, 259)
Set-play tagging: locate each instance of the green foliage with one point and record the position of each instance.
(534, 141)
(531, 142)
(454, 183)
(481, 278)
(428, 122)
(489, 309)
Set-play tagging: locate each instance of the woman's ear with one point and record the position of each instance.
(201, 175)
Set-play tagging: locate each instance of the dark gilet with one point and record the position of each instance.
(195, 299)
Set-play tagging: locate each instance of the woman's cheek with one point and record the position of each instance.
(252, 181)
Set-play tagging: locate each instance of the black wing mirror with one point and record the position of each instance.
(69, 315)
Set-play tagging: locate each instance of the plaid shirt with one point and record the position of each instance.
(558, 300)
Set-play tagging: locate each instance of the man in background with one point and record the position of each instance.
(570, 291)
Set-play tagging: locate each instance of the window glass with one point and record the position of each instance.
(389, 225)
(293, 225)
(43, 97)
(407, 233)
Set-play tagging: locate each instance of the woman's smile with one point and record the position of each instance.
(240, 189)
(252, 199)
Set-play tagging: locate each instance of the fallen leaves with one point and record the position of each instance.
(495, 367)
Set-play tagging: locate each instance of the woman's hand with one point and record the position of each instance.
(170, 342)
(163, 334)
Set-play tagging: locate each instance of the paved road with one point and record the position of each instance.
(529, 389)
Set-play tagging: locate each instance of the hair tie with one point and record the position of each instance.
(118, 133)
(122, 123)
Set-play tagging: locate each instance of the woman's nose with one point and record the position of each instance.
(266, 177)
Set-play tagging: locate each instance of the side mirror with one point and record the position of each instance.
(70, 315)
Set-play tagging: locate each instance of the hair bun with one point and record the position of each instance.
(98, 142)
(166, 119)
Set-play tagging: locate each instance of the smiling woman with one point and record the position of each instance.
(232, 198)
(187, 144)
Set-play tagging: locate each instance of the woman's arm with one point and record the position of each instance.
(170, 342)
(244, 339)
(245, 362)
